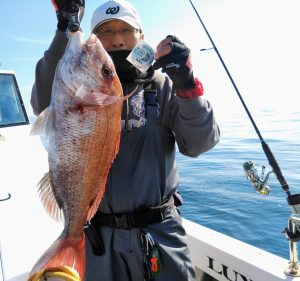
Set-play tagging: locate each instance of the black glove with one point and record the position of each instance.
(176, 65)
(68, 10)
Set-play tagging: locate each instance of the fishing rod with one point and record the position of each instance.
(248, 166)
(293, 230)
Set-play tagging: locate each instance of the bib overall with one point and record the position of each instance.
(144, 174)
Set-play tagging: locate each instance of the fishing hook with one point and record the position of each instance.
(6, 198)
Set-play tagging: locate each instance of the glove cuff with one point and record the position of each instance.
(191, 93)
(62, 22)
(183, 81)
(74, 11)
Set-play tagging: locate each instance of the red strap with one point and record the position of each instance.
(191, 93)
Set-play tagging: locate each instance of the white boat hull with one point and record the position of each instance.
(225, 258)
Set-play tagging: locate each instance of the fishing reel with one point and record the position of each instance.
(259, 182)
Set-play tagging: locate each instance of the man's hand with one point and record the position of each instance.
(174, 59)
(62, 9)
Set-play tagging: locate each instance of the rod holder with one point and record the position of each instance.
(294, 203)
(293, 235)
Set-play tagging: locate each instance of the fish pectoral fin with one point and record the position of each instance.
(48, 200)
(44, 122)
(87, 98)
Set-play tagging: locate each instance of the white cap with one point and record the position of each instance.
(116, 9)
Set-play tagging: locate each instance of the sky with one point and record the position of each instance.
(259, 40)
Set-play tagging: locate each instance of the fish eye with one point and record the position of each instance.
(107, 72)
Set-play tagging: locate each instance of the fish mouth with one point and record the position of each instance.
(77, 33)
(83, 59)
(75, 43)
(77, 39)
(91, 43)
(91, 40)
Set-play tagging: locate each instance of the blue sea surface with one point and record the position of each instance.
(217, 194)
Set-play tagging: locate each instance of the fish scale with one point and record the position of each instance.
(83, 125)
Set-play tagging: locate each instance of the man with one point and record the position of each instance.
(138, 223)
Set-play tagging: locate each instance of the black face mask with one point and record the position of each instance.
(126, 71)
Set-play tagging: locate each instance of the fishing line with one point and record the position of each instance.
(272, 161)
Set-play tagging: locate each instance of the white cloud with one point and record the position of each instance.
(24, 39)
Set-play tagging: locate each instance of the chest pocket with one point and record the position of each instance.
(136, 108)
(151, 106)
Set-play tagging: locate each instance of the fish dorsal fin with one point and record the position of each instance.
(48, 200)
(44, 122)
(88, 98)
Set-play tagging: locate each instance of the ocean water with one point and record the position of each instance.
(217, 194)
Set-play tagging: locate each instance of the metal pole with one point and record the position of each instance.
(293, 267)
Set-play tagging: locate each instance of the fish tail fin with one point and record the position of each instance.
(65, 259)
